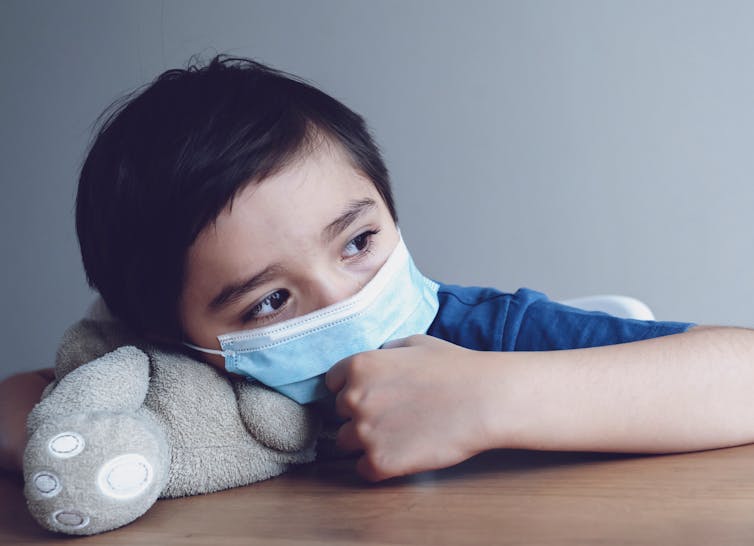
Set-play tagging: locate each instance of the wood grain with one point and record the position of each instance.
(501, 497)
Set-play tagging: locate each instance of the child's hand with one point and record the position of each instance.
(418, 404)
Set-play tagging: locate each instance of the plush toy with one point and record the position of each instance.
(126, 423)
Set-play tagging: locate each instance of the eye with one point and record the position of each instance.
(268, 306)
(360, 244)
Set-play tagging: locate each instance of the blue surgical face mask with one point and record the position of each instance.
(293, 356)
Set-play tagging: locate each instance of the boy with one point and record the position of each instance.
(235, 210)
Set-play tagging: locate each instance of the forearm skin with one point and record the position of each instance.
(685, 392)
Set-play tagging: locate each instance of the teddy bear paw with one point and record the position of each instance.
(91, 472)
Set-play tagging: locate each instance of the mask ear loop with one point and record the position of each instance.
(225, 353)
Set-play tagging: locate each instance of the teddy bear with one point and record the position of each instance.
(126, 422)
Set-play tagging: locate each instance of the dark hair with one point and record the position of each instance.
(166, 161)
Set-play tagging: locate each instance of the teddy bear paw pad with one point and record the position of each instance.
(125, 476)
(47, 484)
(66, 444)
(70, 519)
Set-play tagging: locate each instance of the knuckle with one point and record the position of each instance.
(363, 431)
(347, 402)
(350, 400)
(359, 364)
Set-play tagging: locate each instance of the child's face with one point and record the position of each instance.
(298, 241)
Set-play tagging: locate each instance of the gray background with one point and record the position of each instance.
(577, 147)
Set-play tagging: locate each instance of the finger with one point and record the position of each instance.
(347, 440)
(367, 470)
(335, 378)
(343, 404)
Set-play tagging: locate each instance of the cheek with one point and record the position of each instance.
(200, 332)
(197, 327)
(370, 270)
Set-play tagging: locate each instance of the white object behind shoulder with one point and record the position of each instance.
(619, 306)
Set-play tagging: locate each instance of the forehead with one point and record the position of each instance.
(281, 213)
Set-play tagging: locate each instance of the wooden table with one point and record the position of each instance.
(501, 497)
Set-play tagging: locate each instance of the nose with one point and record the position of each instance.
(330, 287)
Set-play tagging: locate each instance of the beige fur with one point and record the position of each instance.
(126, 423)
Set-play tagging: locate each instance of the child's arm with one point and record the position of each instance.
(18, 395)
(429, 404)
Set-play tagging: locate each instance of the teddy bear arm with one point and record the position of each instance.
(276, 420)
(117, 381)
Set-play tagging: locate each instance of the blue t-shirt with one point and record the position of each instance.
(489, 320)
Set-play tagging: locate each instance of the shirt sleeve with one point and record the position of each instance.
(535, 323)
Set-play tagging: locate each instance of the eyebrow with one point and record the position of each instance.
(350, 215)
(233, 292)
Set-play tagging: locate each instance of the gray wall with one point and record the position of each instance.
(574, 147)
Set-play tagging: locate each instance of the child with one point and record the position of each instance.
(236, 199)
